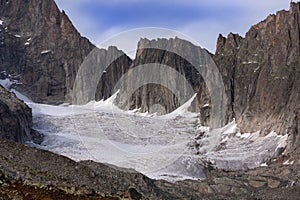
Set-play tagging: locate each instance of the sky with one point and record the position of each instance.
(199, 20)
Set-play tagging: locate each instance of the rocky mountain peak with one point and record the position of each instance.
(41, 47)
(294, 7)
(164, 43)
(44, 51)
(231, 42)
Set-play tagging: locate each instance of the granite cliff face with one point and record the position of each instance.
(156, 76)
(168, 72)
(40, 48)
(42, 51)
(261, 73)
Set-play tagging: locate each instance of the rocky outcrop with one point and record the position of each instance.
(15, 118)
(163, 75)
(46, 170)
(28, 171)
(41, 49)
(261, 73)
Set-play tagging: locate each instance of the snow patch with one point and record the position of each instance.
(282, 142)
(182, 110)
(256, 69)
(264, 165)
(6, 83)
(45, 51)
(288, 162)
(17, 36)
(205, 105)
(21, 96)
(1, 22)
(26, 43)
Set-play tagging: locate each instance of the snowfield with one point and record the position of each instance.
(171, 147)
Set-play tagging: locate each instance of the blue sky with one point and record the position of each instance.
(201, 20)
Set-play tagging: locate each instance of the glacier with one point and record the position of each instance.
(161, 147)
(171, 147)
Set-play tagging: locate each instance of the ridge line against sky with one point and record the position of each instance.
(203, 20)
